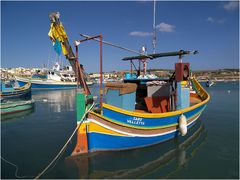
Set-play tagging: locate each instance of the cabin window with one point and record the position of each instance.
(8, 85)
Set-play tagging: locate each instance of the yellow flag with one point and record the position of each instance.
(58, 32)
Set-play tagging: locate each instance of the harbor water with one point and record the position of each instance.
(32, 139)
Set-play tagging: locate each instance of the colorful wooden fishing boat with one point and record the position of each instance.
(11, 91)
(12, 107)
(120, 129)
(139, 112)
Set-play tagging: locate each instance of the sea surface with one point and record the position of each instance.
(210, 150)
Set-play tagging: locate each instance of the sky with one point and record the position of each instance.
(211, 27)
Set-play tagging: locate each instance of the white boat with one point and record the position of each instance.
(209, 83)
(52, 79)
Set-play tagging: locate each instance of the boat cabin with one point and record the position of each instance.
(149, 94)
(9, 85)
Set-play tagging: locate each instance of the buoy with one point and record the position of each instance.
(44, 100)
(229, 91)
(183, 125)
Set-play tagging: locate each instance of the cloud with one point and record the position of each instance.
(210, 19)
(215, 20)
(164, 27)
(232, 5)
(140, 34)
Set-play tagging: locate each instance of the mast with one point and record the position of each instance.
(57, 32)
(58, 35)
(154, 27)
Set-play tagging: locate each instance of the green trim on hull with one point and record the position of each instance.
(15, 107)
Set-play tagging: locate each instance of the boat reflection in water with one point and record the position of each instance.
(57, 100)
(138, 163)
(17, 115)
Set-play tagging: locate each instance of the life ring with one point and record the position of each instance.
(183, 125)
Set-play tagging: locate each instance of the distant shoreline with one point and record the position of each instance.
(221, 75)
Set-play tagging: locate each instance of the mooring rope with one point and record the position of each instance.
(64, 147)
(16, 172)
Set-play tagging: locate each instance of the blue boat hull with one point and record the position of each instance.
(49, 86)
(16, 93)
(106, 142)
(144, 122)
(22, 96)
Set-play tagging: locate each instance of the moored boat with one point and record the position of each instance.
(46, 83)
(40, 83)
(138, 112)
(119, 129)
(12, 107)
(10, 90)
(54, 78)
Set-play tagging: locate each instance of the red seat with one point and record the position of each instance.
(157, 104)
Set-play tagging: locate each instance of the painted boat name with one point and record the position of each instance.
(136, 120)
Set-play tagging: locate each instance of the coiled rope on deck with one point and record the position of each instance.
(65, 145)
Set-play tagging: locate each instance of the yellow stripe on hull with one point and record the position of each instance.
(93, 127)
(147, 128)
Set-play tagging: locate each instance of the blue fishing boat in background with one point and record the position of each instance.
(52, 79)
(44, 83)
(16, 100)
(11, 90)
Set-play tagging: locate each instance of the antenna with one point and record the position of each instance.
(154, 27)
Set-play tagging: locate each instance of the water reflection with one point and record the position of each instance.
(139, 163)
(18, 115)
(57, 100)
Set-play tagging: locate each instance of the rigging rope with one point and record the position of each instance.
(50, 52)
(64, 147)
(115, 45)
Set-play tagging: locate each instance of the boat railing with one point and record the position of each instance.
(199, 89)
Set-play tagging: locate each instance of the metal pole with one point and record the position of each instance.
(80, 75)
(131, 67)
(101, 76)
(154, 27)
(77, 69)
(139, 67)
